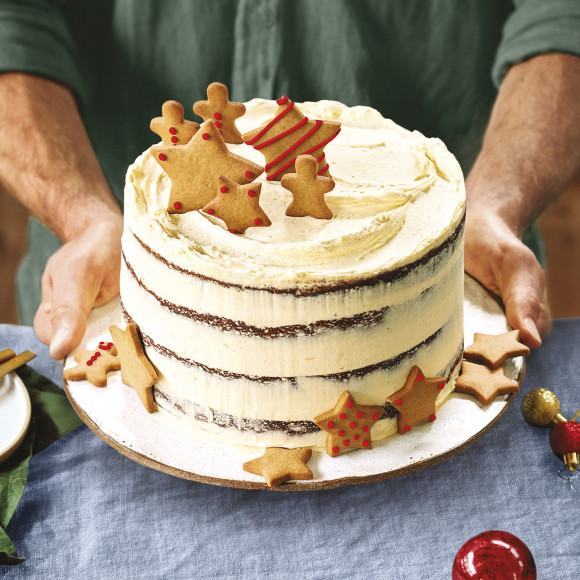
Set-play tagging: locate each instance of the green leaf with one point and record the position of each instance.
(52, 417)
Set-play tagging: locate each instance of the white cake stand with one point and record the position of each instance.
(117, 416)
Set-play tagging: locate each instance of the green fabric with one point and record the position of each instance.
(52, 417)
(425, 64)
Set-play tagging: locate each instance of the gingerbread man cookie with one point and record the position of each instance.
(238, 206)
(195, 168)
(348, 424)
(308, 189)
(278, 465)
(223, 111)
(94, 364)
(172, 127)
(136, 370)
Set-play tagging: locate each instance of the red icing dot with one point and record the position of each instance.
(217, 117)
(441, 386)
(365, 428)
(218, 124)
(356, 437)
(89, 363)
(162, 157)
(375, 416)
(233, 231)
(349, 404)
(252, 193)
(366, 442)
(358, 414)
(330, 425)
(173, 130)
(174, 139)
(407, 428)
(341, 433)
(257, 221)
(352, 425)
(420, 377)
(223, 189)
(399, 401)
(346, 442)
(210, 211)
(249, 174)
(432, 418)
(335, 449)
(283, 99)
(205, 136)
(97, 355)
(177, 205)
(342, 416)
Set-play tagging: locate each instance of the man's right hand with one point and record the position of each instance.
(83, 274)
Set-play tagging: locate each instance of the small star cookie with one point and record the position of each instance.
(238, 206)
(483, 383)
(348, 424)
(278, 465)
(195, 167)
(222, 110)
(415, 402)
(136, 370)
(94, 365)
(308, 189)
(172, 127)
(495, 349)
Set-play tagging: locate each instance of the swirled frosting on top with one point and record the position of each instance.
(398, 194)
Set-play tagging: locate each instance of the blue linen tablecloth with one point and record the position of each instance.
(89, 512)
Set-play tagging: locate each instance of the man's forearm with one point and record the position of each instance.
(531, 150)
(46, 158)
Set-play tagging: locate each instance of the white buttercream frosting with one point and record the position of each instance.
(397, 195)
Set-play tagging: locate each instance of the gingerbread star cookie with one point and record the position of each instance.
(290, 134)
(94, 364)
(172, 127)
(308, 189)
(495, 349)
(136, 370)
(483, 383)
(238, 206)
(415, 402)
(222, 110)
(348, 424)
(195, 167)
(278, 465)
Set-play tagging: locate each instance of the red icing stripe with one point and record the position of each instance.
(318, 146)
(270, 124)
(321, 157)
(322, 170)
(304, 137)
(287, 132)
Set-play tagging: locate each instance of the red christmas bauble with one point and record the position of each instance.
(494, 554)
(565, 438)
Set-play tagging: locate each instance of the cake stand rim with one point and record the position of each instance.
(302, 485)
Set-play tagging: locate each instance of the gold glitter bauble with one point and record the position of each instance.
(540, 407)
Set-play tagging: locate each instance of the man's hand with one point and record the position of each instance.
(83, 274)
(531, 152)
(501, 262)
(56, 175)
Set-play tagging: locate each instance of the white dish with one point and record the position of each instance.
(14, 414)
(118, 417)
